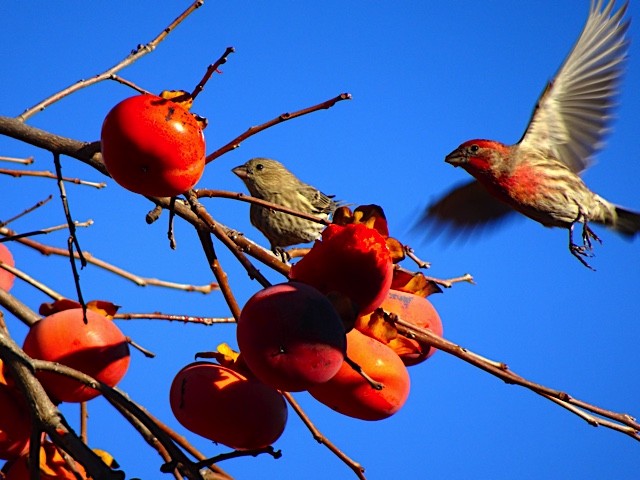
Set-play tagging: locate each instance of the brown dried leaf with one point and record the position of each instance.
(413, 282)
(376, 326)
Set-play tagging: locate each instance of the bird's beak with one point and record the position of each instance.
(241, 171)
(456, 158)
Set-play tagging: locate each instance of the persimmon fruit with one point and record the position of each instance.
(97, 348)
(418, 311)
(153, 146)
(291, 337)
(6, 278)
(352, 260)
(227, 407)
(350, 394)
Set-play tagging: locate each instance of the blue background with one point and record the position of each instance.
(424, 76)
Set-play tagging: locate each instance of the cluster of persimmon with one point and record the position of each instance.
(325, 331)
(87, 341)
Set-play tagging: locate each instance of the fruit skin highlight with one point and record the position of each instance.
(350, 394)
(227, 407)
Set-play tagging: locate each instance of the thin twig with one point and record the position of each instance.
(138, 280)
(320, 438)
(44, 231)
(22, 161)
(621, 422)
(235, 143)
(26, 211)
(211, 69)
(136, 54)
(174, 318)
(31, 281)
(202, 193)
(47, 174)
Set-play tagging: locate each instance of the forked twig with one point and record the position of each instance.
(138, 52)
(620, 422)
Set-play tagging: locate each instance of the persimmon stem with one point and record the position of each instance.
(358, 369)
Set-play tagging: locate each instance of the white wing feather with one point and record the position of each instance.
(572, 115)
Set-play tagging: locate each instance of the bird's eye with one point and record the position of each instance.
(259, 166)
(474, 148)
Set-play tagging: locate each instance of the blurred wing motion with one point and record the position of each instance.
(568, 123)
(467, 207)
(571, 116)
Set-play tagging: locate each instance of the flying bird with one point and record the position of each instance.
(540, 175)
(269, 180)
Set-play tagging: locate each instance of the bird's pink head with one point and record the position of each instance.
(478, 156)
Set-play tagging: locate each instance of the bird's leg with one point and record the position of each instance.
(584, 250)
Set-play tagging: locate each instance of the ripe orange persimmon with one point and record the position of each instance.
(15, 424)
(227, 407)
(418, 311)
(6, 278)
(350, 394)
(153, 146)
(97, 348)
(291, 337)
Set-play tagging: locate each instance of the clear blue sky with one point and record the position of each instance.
(424, 76)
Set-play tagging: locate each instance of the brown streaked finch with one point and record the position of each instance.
(539, 175)
(269, 180)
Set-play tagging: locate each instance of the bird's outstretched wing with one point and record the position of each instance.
(465, 208)
(572, 114)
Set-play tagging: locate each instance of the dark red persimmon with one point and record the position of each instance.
(153, 146)
(97, 348)
(291, 337)
(350, 394)
(227, 407)
(352, 260)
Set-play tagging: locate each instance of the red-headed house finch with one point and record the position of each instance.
(269, 180)
(539, 175)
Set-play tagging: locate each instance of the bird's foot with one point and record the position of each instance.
(282, 254)
(586, 249)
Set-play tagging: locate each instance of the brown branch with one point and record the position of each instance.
(136, 54)
(621, 422)
(320, 438)
(235, 143)
(258, 201)
(47, 174)
(32, 281)
(46, 416)
(138, 280)
(173, 318)
(211, 69)
(220, 233)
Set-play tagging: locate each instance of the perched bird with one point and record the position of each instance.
(539, 175)
(269, 180)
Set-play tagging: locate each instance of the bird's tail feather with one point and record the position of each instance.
(627, 222)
